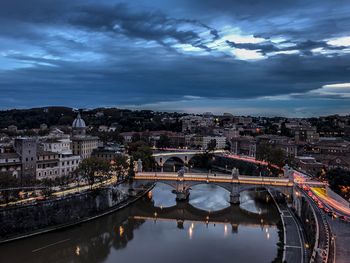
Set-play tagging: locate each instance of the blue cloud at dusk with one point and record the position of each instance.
(255, 57)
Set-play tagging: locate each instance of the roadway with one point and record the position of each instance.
(340, 208)
(323, 249)
(294, 251)
(214, 178)
(64, 192)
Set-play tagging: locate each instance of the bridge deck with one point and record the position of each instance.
(215, 178)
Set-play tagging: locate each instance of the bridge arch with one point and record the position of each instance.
(162, 158)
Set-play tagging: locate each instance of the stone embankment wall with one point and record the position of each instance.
(26, 220)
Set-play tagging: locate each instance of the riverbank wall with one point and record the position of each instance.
(50, 215)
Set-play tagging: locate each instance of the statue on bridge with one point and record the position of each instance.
(235, 173)
(181, 172)
(139, 166)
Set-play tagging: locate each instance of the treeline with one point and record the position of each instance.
(123, 119)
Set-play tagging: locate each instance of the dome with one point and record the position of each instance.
(78, 122)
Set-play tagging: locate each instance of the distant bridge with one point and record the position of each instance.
(186, 155)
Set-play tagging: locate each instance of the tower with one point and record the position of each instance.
(27, 149)
(78, 126)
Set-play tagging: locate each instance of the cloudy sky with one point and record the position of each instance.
(255, 57)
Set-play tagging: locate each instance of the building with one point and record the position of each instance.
(243, 145)
(286, 144)
(82, 144)
(220, 141)
(43, 127)
(68, 163)
(51, 165)
(328, 146)
(305, 134)
(108, 153)
(47, 166)
(12, 128)
(26, 148)
(78, 126)
(191, 123)
(57, 145)
(10, 163)
(308, 164)
(342, 162)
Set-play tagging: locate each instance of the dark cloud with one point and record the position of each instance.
(305, 47)
(144, 25)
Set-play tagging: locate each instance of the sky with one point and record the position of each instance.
(254, 57)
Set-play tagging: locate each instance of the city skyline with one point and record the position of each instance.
(253, 58)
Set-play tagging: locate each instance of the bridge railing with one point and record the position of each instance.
(277, 181)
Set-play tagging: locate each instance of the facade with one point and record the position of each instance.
(244, 145)
(68, 163)
(47, 165)
(342, 162)
(52, 165)
(106, 153)
(220, 141)
(26, 148)
(57, 145)
(84, 146)
(286, 144)
(10, 163)
(328, 146)
(305, 134)
(308, 164)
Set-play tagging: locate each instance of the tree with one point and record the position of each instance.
(120, 165)
(285, 131)
(8, 181)
(203, 160)
(48, 183)
(94, 170)
(263, 151)
(211, 145)
(266, 152)
(140, 150)
(339, 181)
(164, 141)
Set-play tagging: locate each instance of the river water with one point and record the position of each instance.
(157, 229)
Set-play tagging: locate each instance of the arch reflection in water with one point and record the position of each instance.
(145, 233)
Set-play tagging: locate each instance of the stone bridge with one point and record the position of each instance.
(234, 183)
(183, 156)
(186, 156)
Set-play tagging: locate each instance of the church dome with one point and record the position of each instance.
(78, 122)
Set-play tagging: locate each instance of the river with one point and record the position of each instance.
(157, 229)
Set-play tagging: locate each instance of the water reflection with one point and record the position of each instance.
(217, 200)
(160, 230)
